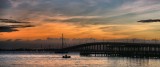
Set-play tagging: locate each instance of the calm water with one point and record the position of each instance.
(54, 60)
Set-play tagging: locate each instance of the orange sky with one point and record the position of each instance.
(54, 30)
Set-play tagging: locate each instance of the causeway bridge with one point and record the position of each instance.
(117, 49)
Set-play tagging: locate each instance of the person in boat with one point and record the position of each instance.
(66, 56)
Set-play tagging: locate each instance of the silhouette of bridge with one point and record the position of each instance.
(117, 49)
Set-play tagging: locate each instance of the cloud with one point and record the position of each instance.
(112, 11)
(51, 20)
(34, 8)
(149, 21)
(11, 21)
(7, 29)
(12, 28)
(90, 21)
(13, 25)
(109, 9)
(126, 29)
(81, 20)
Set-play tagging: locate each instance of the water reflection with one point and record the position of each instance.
(55, 60)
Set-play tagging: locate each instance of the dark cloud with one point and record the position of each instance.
(149, 21)
(11, 21)
(12, 28)
(21, 26)
(7, 29)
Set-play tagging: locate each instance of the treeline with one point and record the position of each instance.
(20, 49)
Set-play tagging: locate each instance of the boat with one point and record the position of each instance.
(66, 56)
(62, 51)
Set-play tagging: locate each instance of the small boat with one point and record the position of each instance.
(66, 56)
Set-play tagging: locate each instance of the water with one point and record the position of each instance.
(34, 59)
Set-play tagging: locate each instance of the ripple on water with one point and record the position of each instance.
(55, 60)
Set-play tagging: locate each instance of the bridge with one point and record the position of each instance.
(117, 49)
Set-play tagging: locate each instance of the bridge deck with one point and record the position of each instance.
(117, 48)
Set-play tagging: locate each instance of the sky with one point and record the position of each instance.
(99, 19)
